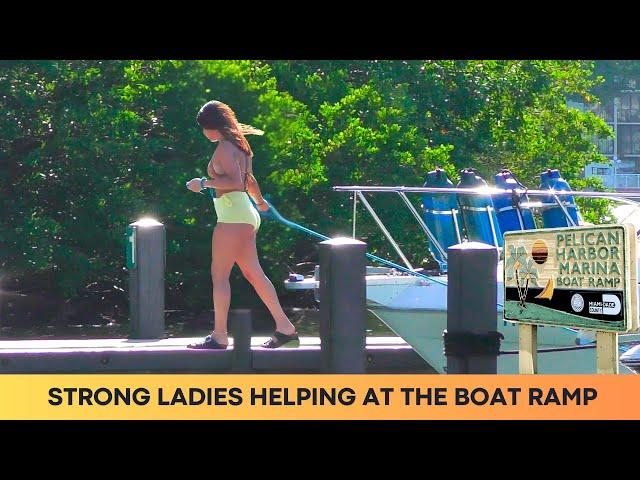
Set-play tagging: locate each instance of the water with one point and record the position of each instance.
(181, 324)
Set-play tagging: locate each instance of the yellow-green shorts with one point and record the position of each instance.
(235, 207)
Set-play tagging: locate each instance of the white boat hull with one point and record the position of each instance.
(416, 310)
(424, 329)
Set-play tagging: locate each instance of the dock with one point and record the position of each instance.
(171, 355)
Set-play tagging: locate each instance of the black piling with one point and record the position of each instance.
(471, 339)
(343, 305)
(240, 328)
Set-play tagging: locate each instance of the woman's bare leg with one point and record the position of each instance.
(249, 264)
(226, 242)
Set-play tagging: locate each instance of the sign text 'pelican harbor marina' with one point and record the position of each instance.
(589, 259)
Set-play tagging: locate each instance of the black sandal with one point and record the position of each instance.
(209, 343)
(281, 340)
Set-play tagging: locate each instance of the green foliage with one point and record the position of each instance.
(88, 147)
(616, 75)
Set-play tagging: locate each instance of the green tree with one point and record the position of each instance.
(88, 147)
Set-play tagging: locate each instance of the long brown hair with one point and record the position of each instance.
(215, 115)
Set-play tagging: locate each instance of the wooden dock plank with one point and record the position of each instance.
(170, 355)
(161, 344)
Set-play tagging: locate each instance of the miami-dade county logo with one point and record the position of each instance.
(577, 302)
(610, 305)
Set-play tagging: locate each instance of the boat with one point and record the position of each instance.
(631, 358)
(413, 302)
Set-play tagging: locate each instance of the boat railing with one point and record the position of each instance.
(518, 193)
(485, 191)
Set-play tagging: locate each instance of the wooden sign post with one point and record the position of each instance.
(607, 352)
(528, 340)
(577, 277)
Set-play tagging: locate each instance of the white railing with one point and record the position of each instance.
(611, 180)
(627, 180)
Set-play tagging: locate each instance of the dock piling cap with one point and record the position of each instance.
(342, 241)
(147, 222)
(472, 246)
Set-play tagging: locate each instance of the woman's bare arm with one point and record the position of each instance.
(253, 189)
(210, 171)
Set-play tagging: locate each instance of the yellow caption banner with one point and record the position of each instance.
(319, 397)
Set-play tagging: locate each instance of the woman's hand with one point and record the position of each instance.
(263, 206)
(194, 185)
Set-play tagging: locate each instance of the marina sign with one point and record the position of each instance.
(582, 277)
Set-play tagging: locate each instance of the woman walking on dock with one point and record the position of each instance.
(234, 236)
